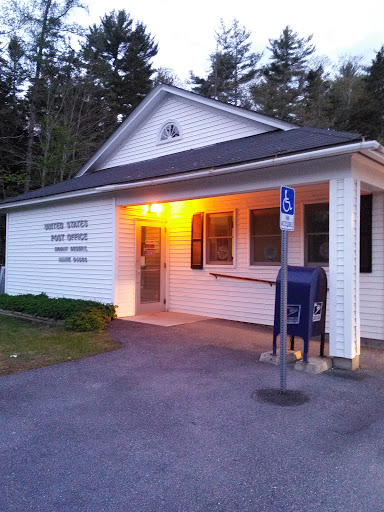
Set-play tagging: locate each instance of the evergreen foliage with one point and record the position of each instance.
(345, 94)
(283, 78)
(59, 104)
(117, 58)
(166, 76)
(313, 108)
(232, 66)
(367, 115)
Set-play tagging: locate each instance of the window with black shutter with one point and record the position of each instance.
(197, 240)
(316, 224)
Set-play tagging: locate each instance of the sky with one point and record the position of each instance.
(185, 30)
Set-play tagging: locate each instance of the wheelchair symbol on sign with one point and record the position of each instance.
(286, 203)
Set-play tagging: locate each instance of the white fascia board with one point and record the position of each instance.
(152, 102)
(293, 174)
(376, 154)
(369, 171)
(49, 199)
(299, 157)
(275, 161)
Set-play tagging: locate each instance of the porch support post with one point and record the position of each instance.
(344, 272)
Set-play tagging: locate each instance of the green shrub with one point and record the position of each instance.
(60, 309)
(91, 320)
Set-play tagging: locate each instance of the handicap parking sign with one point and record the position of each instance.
(287, 209)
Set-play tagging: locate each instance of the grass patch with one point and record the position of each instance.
(39, 345)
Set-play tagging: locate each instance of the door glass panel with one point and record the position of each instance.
(150, 264)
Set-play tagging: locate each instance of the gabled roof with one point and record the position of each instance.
(249, 149)
(152, 102)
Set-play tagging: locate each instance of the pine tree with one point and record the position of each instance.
(375, 93)
(42, 26)
(346, 94)
(118, 60)
(232, 66)
(16, 69)
(218, 83)
(12, 119)
(283, 79)
(69, 120)
(313, 107)
(234, 41)
(367, 116)
(166, 76)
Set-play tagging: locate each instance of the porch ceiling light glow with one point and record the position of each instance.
(152, 208)
(156, 208)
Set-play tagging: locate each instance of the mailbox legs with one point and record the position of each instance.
(322, 339)
(306, 346)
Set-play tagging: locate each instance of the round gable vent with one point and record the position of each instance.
(170, 131)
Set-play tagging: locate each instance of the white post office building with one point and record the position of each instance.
(188, 187)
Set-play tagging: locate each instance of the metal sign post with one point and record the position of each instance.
(283, 311)
(287, 223)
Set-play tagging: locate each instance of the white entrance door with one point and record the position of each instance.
(150, 267)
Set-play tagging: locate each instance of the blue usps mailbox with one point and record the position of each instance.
(306, 305)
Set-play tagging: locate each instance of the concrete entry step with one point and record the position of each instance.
(291, 357)
(165, 318)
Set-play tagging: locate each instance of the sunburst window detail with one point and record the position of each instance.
(170, 131)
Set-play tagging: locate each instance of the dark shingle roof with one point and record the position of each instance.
(254, 148)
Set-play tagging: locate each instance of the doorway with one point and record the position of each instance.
(150, 267)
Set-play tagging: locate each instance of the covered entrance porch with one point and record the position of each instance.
(232, 231)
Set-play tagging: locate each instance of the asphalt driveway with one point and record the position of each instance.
(172, 422)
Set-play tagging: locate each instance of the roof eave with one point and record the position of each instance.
(365, 148)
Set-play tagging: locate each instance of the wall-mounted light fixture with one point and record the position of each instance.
(152, 208)
(156, 208)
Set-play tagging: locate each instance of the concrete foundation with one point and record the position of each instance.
(291, 357)
(315, 365)
(346, 364)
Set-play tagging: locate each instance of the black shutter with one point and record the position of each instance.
(197, 240)
(366, 234)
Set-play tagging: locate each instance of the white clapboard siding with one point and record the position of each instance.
(32, 264)
(195, 291)
(200, 126)
(126, 262)
(372, 285)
